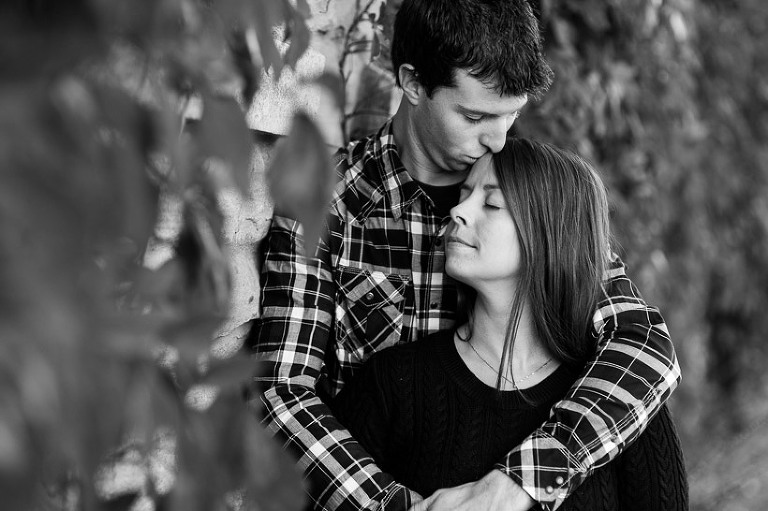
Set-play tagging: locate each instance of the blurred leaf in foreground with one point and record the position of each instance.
(300, 179)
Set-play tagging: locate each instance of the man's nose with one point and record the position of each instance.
(495, 136)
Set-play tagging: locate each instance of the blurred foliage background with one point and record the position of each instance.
(103, 359)
(670, 99)
(111, 394)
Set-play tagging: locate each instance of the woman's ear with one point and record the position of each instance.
(409, 81)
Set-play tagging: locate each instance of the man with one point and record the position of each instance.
(467, 68)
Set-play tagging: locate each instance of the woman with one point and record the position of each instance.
(529, 241)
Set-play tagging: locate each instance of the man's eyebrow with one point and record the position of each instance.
(472, 111)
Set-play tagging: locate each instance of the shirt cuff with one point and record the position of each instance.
(544, 469)
(398, 498)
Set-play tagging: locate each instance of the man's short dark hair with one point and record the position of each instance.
(496, 41)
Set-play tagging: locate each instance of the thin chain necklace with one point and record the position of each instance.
(496, 370)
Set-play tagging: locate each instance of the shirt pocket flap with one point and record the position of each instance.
(371, 289)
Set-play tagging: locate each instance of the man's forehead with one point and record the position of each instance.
(469, 93)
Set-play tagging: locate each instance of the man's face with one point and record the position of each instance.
(459, 124)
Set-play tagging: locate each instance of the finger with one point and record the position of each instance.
(424, 504)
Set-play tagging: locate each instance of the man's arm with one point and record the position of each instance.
(632, 375)
(291, 341)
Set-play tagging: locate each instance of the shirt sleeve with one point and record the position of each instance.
(291, 342)
(631, 376)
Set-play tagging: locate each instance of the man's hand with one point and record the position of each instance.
(494, 492)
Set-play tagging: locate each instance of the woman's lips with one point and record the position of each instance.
(460, 241)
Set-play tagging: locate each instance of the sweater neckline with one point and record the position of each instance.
(549, 389)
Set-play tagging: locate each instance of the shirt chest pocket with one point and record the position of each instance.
(369, 310)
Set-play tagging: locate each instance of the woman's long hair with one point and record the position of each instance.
(560, 210)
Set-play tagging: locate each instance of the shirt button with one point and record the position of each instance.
(559, 480)
(549, 489)
(434, 305)
(369, 296)
(439, 242)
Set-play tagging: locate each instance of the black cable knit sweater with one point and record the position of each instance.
(427, 420)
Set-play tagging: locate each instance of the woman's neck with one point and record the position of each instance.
(490, 324)
(490, 321)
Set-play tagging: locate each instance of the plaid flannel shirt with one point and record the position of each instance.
(377, 280)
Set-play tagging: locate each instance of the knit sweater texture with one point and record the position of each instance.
(426, 419)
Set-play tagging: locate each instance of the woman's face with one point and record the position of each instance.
(481, 241)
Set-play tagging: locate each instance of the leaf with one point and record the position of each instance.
(224, 134)
(129, 346)
(133, 134)
(235, 371)
(595, 14)
(302, 7)
(358, 46)
(335, 85)
(166, 400)
(183, 308)
(387, 12)
(192, 337)
(273, 478)
(13, 440)
(249, 73)
(160, 301)
(300, 178)
(138, 401)
(268, 15)
(201, 248)
(375, 46)
(299, 39)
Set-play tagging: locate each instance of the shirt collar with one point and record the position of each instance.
(393, 180)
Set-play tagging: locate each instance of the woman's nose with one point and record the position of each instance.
(457, 215)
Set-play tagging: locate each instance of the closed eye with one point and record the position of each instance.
(474, 119)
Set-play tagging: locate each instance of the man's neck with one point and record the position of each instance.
(414, 155)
